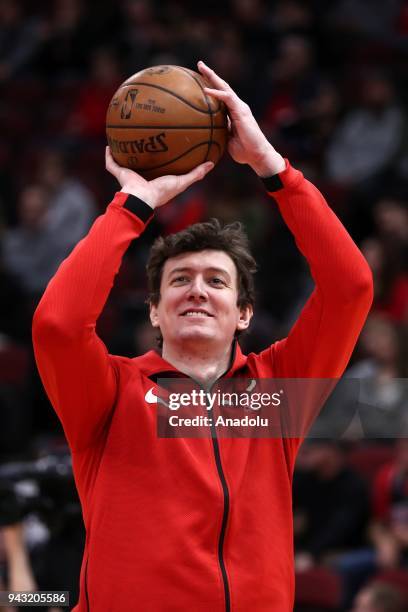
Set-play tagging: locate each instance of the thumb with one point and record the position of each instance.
(197, 174)
(110, 163)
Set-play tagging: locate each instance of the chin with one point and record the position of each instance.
(196, 334)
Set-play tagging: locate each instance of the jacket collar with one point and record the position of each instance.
(152, 364)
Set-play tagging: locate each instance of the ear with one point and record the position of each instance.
(154, 315)
(245, 316)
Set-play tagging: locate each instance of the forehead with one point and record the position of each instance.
(201, 261)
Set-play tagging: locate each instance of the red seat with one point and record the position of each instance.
(318, 588)
(367, 460)
(397, 578)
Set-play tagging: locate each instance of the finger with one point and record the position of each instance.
(235, 105)
(220, 94)
(197, 174)
(107, 155)
(212, 76)
(110, 163)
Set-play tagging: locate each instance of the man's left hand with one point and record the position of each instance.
(247, 143)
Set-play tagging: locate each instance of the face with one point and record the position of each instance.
(377, 92)
(317, 456)
(379, 339)
(33, 207)
(198, 302)
(364, 603)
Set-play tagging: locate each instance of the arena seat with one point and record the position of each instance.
(368, 459)
(396, 577)
(317, 589)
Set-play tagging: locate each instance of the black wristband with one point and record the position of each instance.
(138, 207)
(273, 183)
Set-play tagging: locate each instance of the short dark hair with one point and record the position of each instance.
(386, 597)
(210, 235)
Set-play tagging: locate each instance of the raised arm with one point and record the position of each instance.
(76, 370)
(320, 343)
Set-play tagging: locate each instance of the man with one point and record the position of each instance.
(331, 502)
(198, 524)
(379, 597)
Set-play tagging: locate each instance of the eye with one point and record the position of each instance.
(180, 279)
(215, 280)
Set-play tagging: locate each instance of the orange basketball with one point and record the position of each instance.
(160, 121)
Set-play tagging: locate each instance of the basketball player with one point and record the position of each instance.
(191, 524)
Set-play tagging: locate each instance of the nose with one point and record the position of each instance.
(197, 290)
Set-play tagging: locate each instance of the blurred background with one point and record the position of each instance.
(327, 81)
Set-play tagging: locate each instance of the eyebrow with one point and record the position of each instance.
(210, 269)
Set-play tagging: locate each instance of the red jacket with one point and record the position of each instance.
(187, 524)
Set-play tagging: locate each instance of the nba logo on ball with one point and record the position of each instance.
(160, 121)
(127, 105)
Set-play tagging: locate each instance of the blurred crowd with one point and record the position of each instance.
(327, 82)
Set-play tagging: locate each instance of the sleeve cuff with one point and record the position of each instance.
(138, 207)
(287, 178)
(134, 205)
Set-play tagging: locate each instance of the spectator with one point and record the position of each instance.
(291, 15)
(68, 41)
(370, 17)
(88, 117)
(369, 138)
(142, 35)
(379, 598)
(293, 75)
(391, 216)
(20, 39)
(390, 529)
(330, 502)
(390, 278)
(71, 207)
(30, 251)
(382, 374)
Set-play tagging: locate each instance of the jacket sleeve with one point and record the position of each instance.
(76, 370)
(321, 341)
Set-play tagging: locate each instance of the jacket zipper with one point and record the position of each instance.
(226, 495)
(86, 584)
(225, 514)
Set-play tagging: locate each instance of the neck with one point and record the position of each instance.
(202, 363)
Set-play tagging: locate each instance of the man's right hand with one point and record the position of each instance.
(158, 191)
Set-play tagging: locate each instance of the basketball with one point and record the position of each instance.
(160, 121)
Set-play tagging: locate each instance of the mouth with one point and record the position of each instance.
(196, 313)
